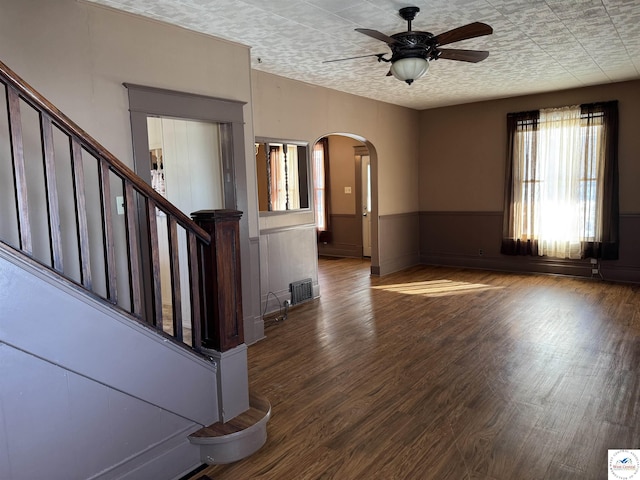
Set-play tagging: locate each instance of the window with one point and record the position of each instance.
(320, 188)
(561, 194)
(282, 170)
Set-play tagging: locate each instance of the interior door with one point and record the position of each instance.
(366, 205)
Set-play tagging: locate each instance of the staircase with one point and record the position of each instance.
(98, 381)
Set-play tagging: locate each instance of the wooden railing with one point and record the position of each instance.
(66, 217)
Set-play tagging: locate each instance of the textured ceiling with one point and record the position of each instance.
(537, 45)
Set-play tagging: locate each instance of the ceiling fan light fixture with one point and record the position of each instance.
(409, 69)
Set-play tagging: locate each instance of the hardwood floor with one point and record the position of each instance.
(442, 373)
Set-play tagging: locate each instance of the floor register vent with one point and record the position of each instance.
(300, 291)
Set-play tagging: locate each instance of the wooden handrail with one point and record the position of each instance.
(37, 101)
(142, 203)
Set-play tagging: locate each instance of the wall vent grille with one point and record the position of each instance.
(301, 291)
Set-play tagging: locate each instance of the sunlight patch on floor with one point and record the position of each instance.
(436, 288)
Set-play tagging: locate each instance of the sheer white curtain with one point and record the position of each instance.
(276, 159)
(285, 187)
(560, 153)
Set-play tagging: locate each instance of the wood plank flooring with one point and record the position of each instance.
(443, 373)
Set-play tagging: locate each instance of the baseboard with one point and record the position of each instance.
(257, 329)
(620, 273)
(528, 264)
(272, 302)
(172, 458)
(340, 250)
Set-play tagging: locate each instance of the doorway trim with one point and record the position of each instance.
(360, 152)
(145, 101)
(150, 101)
(373, 158)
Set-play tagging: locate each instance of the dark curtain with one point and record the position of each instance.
(518, 124)
(607, 248)
(303, 176)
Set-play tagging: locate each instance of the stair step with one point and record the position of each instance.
(236, 439)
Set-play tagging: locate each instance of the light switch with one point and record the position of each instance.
(347, 189)
(120, 205)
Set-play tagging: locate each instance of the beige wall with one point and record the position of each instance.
(343, 174)
(78, 55)
(463, 148)
(286, 108)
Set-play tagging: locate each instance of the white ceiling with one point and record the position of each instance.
(537, 45)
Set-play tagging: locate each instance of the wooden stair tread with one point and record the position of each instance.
(256, 412)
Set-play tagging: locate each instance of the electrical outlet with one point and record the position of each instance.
(480, 252)
(594, 271)
(287, 303)
(594, 261)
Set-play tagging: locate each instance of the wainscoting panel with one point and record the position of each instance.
(286, 255)
(253, 323)
(627, 268)
(472, 239)
(346, 237)
(399, 242)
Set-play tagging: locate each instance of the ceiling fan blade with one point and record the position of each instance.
(476, 29)
(379, 55)
(472, 56)
(378, 36)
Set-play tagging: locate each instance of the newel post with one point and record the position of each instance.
(222, 322)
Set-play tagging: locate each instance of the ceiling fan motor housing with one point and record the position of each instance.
(413, 45)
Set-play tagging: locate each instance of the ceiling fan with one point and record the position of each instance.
(412, 51)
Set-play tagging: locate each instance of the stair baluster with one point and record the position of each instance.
(96, 265)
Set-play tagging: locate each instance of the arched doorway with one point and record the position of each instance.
(349, 224)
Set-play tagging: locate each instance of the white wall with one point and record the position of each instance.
(193, 168)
